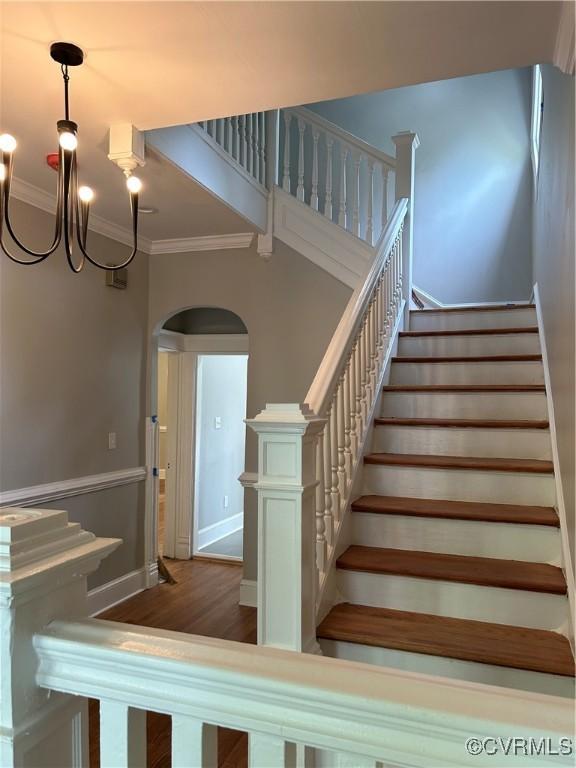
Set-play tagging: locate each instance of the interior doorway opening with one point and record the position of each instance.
(202, 394)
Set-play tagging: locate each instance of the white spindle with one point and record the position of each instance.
(354, 441)
(265, 751)
(341, 415)
(321, 548)
(342, 217)
(300, 187)
(314, 194)
(220, 131)
(357, 157)
(237, 139)
(328, 192)
(348, 422)
(122, 735)
(286, 176)
(384, 196)
(194, 743)
(326, 451)
(335, 489)
(212, 127)
(244, 140)
(359, 422)
(370, 214)
(262, 147)
(249, 149)
(229, 136)
(255, 146)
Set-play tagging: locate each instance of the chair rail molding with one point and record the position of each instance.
(77, 486)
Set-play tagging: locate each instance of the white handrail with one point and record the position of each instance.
(330, 368)
(364, 713)
(348, 138)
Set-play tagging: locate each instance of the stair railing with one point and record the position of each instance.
(336, 173)
(309, 454)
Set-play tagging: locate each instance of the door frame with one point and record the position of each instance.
(180, 480)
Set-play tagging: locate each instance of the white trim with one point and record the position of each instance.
(204, 343)
(249, 593)
(565, 43)
(116, 591)
(78, 486)
(427, 298)
(205, 243)
(567, 559)
(46, 201)
(213, 533)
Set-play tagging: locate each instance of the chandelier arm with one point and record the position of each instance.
(82, 228)
(38, 256)
(70, 206)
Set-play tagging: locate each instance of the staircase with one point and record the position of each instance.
(453, 563)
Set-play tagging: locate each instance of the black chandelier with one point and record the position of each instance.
(72, 202)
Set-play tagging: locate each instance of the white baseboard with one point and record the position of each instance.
(566, 556)
(432, 303)
(219, 530)
(107, 595)
(249, 593)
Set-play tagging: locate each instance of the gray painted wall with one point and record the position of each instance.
(473, 178)
(221, 393)
(290, 308)
(554, 267)
(72, 370)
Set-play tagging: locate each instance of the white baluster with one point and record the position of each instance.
(365, 369)
(220, 131)
(244, 140)
(335, 489)
(380, 320)
(370, 215)
(384, 196)
(212, 125)
(255, 146)
(262, 147)
(340, 392)
(194, 743)
(321, 547)
(359, 422)
(342, 217)
(300, 187)
(354, 439)
(328, 195)
(237, 139)
(348, 422)
(229, 136)
(286, 176)
(326, 450)
(314, 194)
(356, 194)
(249, 152)
(374, 343)
(270, 752)
(122, 736)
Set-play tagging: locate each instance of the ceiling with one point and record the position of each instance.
(155, 64)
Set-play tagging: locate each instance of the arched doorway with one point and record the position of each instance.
(202, 381)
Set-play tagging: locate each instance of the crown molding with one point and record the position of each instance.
(205, 243)
(46, 201)
(565, 42)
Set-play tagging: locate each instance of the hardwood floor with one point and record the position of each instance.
(203, 602)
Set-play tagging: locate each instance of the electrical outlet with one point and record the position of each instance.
(226, 502)
(217, 422)
(111, 441)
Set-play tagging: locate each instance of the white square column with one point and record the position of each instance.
(44, 562)
(406, 145)
(286, 526)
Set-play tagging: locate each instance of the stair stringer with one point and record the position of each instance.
(321, 240)
(329, 595)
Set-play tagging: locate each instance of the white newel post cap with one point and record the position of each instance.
(406, 138)
(44, 562)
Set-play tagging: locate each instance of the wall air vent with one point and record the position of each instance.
(117, 278)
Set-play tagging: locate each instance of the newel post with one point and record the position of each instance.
(406, 145)
(44, 561)
(286, 526)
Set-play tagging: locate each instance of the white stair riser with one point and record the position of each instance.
(515, 607)
(424, 374)
(454, 346)
(470, 320)
(533, 543)
(465, 405)
(460, 484)
(420, 663)
(450, 441)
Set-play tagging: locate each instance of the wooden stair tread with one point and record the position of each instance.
(534, 466)
(484, 571)
(470, 332)
(486, 388)
(536, 650)
(470, 359)
(456, 510)
(397, 421)
(494, 308)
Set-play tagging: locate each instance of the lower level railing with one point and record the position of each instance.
(345, 714)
